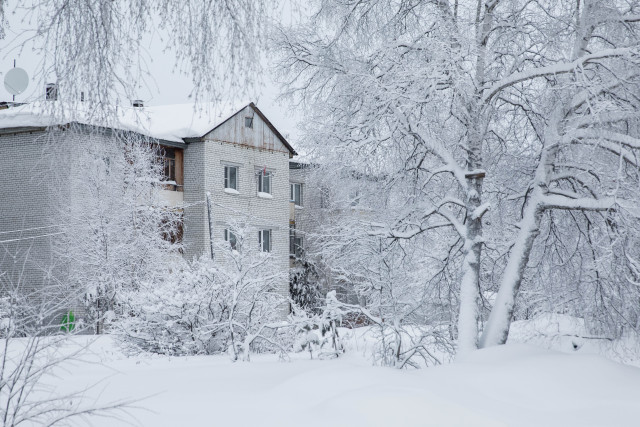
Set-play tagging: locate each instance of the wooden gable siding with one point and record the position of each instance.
(259, 136)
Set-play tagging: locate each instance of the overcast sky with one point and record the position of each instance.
(165, 86)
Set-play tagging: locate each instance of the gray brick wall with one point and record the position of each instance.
(260, 213)
(204, 172)
(31, 184)
(307, 216)
(196, 233)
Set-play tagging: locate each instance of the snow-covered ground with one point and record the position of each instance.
(512, 385)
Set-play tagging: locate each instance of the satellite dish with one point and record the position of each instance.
(16, 81)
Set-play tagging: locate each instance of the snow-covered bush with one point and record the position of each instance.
(304, 287)
(37, 351)
(317, 331)
(173, 316)
(207, 306)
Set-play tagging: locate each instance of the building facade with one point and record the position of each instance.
(224, 168)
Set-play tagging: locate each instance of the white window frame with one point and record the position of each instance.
(295, 250)
(265, 245)
(230, 237)
(292, 193)
(298, 247)
(262, 175)
(248, 122)
(227, 176)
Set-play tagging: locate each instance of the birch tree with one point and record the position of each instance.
(101, 47)
(587, 139)
(404, 83)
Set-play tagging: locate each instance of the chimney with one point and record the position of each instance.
(51, 92)
(138, 103)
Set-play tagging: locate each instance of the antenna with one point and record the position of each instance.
(16, 80)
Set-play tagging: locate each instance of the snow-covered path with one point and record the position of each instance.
(515, 385)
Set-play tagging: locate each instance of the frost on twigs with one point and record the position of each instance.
(39, 346)
(100, 48)
(116, 231)
(318, 333)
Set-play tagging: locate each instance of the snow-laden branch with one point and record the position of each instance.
(626, 140)
(480, 210)
(594, 139)
(585, 204)
(554, 69)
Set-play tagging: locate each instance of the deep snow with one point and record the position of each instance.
(512, 385)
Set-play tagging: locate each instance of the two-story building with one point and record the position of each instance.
(226, 163)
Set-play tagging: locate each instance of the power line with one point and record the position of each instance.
(30, 229)
(32, 237)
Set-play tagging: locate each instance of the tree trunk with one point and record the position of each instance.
(470, 285)
(497, 328)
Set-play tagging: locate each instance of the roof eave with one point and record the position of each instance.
(189, 140)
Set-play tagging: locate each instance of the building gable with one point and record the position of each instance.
(249, 127)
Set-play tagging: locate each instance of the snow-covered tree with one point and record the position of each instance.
(393, 285)
(115, 229)
(407, 112)
(582, 109)
(102, 48)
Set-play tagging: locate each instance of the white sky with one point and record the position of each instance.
(165, 86)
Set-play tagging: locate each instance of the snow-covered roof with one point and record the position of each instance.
(166, 122)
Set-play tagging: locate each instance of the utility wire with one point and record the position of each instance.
(32, 237)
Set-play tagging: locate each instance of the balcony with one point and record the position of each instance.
(172, 195)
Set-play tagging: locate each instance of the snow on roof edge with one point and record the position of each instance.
(172, 122)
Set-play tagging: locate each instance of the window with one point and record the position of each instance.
(264, 240)
(324, 197)
(248, 122)
(231, 177)
(295, 243)
(167, 159)
(296, 194)
(264, 181)
(231, 238)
